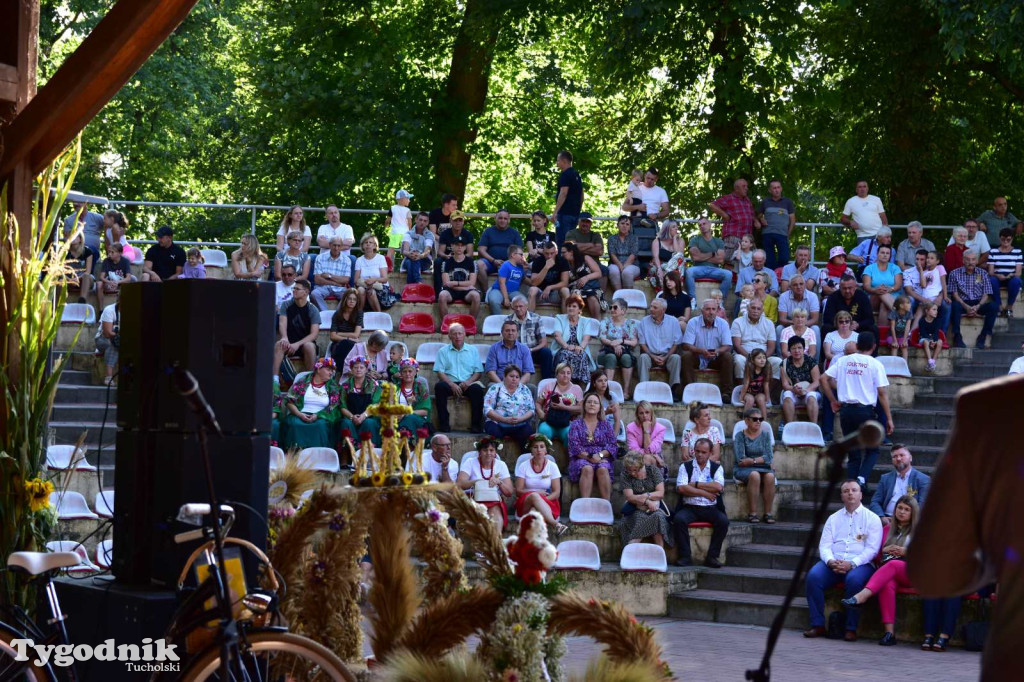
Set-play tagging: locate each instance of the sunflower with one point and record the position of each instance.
(38, 492)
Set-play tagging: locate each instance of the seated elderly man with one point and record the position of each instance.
(439, 463)
(971, 291)
(849, 542)
(332, 272)
(458, 369)
(908, 248)
(866, 252)
(531, 334)
(746, 275)
(904, 479)
(509, 351)
(798, 296)
(700, 484)
(707, 344)
(853, 300)
(801, 266)
(660, 336)
(751, 331)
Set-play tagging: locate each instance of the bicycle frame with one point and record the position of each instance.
(25, 625)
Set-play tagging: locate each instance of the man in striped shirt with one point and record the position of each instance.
(971, 289)
(1004, 268)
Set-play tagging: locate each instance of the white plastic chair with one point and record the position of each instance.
(634, 298)
(593, 511)
(590, 326)
(324, 460)
(104, 504)
(482, 349)
(714, 422)
(895, 366)
(803, 434)
(492, 325)
(578, 555)
(766, 427)
(85, 565)
(405, 348)
(670, 431)
(105, 554)
(525, 457)
(642, 556)
(373, 321)
(705, 393)
(622, 432)
(214, 258)
(326, 317)
(466, 456)
(426, 354)
(302, 375)
(78, 313)
(615, 388)
(547, 324)
(277, 458)
(735, 400)
(63, 457)
(653, 392)
(72, 505)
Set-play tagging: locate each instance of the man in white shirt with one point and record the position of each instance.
(854, 384)
(864, 213)
(977, 241)
(283, 288)
(700, 484)
(751, 331)
(849, 542)
(335, 228)
(439, 463)
(1017, 367)
(653, 204)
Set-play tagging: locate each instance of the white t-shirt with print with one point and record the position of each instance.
(108, 315)
(858, 377)
(283, 292)
(538, 482)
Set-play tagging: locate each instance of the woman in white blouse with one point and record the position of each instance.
(486, 478)
(539, 484)
(372, 276)
(294, 221)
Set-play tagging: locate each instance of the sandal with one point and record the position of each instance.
(752, 518)
(927, 644)
(561, 529)
(768, 518)
(940, 644)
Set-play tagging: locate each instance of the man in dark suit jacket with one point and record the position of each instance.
(905, 479)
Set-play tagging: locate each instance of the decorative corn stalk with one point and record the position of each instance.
(32, 297)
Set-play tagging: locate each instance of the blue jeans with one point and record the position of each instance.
(988, 311)
(776, 248)
(543, 362)
(413, 268)
(723, 276)
(821, 578)
(1012, 285)
(562, 227)
(940, 616)
(861, 461)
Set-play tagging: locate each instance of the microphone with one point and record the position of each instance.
(869, 435)
(186, 385)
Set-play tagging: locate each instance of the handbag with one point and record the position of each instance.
(484, 492)
(558, 419)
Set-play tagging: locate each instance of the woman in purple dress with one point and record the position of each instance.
(592, 449)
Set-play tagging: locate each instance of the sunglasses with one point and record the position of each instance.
(615, 307)
(756, 419)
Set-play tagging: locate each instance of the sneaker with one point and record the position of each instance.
(931, 365)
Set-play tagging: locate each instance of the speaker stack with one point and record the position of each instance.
(219, 330)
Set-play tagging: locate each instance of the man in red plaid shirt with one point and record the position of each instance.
(737, 212)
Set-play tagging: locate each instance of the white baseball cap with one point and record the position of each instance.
(403, 194)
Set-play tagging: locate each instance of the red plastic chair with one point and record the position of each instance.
(418, 293)
(416, 323)
(699, 524)
(467, 321)
(883, 337)
(915, 339)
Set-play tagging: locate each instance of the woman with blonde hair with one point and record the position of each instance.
(644, 435)
(892, 566)
(371, 276)
(294, 221)
(645, 514)
(248, 261)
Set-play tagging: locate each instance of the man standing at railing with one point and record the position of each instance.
(440, 218)
(569, 199)
(778, 217)
(335, 228)
(737, 211)
(990, 221)
(864, 213)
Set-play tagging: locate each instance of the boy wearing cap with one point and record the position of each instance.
(165, 259)
(400, 221)
(456, 233)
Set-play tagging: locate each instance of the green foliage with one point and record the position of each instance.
(513, 587)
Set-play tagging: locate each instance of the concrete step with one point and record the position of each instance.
(84, 412)
(757, 555)
(783, 533)
(944, 403)
(68, 432)
(78, 393)
(75, 377)
(922, 419)
(763, 581)
(747, 608)
(918, 436)
(803, 512)
(985, 370)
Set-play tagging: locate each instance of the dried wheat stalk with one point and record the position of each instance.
(477, 527)
(437, 548)
(291, 552)
(447, 622)
(395, 592)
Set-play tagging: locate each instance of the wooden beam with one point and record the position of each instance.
(8, 83)
(121, 43)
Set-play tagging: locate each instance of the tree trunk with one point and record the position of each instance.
(727, 122)
(465, 96)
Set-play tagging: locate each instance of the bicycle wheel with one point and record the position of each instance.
(19, 671)
(274, 656)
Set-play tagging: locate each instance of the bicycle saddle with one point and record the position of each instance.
(35, 563)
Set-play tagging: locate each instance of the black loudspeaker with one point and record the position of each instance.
(240, 473)
(134, 471)
(99, 609)
(221, 331)
(139, 355)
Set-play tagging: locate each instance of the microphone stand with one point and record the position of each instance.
(835, 454)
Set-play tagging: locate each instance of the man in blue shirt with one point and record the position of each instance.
(569, 199)
(458, 371)
(510, 278)
(707, 344)
(778, 215)
(493, 247)
(508, 350)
